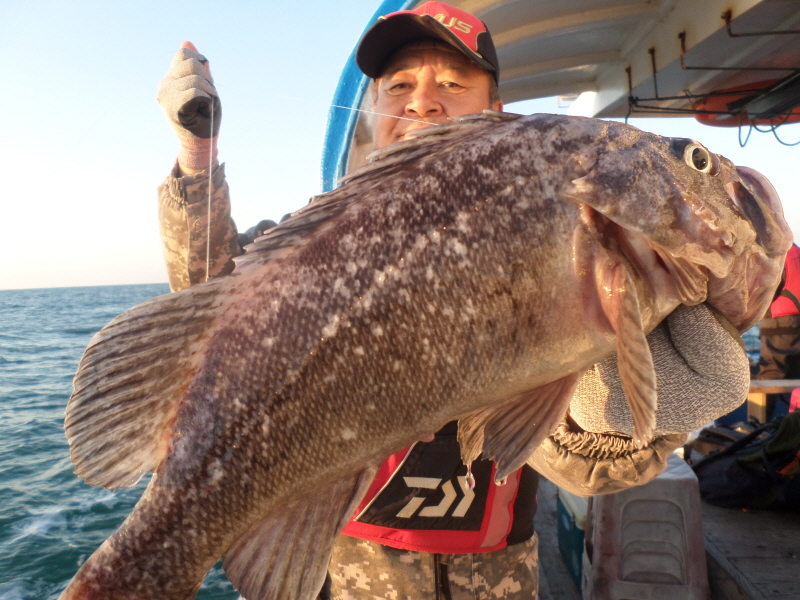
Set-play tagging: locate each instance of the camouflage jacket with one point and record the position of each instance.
(183, 214)
(583, 462)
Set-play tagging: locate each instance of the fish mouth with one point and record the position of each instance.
(744, 294)
(759, 202)
(761, 186)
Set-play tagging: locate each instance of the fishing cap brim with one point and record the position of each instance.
(432, 20)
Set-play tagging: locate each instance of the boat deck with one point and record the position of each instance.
(555, 582)
(751, 555)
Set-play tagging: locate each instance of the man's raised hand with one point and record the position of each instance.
(186, 95)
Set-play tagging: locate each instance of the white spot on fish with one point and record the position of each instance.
(377, 331)
(365, 301)
(469, 308)
(359, 351)
(215, 472)
(397, 365)
(458, 247)
(348, 434)
(461, 222)
(380, 277)
(332, 327)
(340, 288)
(429, 274)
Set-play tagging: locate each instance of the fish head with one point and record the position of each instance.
(717, 230)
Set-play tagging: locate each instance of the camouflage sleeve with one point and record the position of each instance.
(183, 217)
(591, 464)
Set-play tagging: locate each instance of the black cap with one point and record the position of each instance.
(432, 20)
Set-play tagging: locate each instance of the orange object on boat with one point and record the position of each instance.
(717, 111)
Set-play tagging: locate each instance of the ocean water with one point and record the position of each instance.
(50, 520)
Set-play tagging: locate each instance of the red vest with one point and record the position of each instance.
(420, 501)
(788, 303)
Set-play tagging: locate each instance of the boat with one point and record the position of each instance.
(725, 62)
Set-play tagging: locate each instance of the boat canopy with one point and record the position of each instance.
(617, 58)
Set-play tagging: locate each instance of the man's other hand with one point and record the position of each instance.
(702, 373)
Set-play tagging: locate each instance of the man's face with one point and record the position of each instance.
(429, 84)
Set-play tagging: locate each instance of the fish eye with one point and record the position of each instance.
(698, 158)
(695, 155)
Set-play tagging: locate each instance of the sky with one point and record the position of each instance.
(84, 145)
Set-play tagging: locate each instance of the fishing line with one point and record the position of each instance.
(210, 177)
(370, 112)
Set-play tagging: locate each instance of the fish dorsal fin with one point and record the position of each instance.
(286, 555)
(325, 207)
(509, 433)
(125, 392)
(488, 116)
(634, 360)
(385, 159)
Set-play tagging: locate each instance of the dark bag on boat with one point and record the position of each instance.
(761, 469)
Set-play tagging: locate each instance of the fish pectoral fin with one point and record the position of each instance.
(635, 361)
(509, 433)
(286, 555)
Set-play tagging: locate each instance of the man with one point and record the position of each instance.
(412, 540)
(780, 334)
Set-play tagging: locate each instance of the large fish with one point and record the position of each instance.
(473, 273)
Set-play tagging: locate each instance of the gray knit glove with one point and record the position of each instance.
(701, 369)
(186, 94)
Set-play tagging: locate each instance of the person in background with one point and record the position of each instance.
(421, 532)
(780, 334)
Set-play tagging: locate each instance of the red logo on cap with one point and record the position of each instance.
(453, 23)
(463, 25)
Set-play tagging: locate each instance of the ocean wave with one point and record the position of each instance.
(43, 523)
(5, 335)
(81, 331)
(106, 498)
(14, 591)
